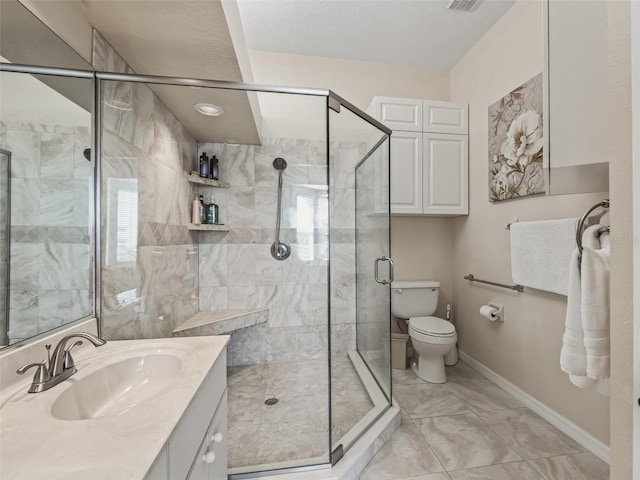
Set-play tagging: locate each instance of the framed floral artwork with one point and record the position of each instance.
(516, 143)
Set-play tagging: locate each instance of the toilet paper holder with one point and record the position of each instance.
(493, 312)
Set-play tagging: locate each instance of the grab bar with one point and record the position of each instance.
(579, 229)
(280, 250)
(471, 278)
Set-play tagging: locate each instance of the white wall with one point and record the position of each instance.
(620, 183)
(31, 101)
(526, 348)
(635, 53)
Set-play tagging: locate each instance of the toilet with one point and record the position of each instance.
(433, 338)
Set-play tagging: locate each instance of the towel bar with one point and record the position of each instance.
(471, 278)
(579, 229)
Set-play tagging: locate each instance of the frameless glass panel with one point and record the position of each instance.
(357, 149)
(51, 219)
(163, 273)
(373, 267)
(5, 231)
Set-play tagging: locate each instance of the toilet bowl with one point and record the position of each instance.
(432, 337)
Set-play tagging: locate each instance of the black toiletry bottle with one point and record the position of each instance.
(214, 170)
(204, 166)
(203, 212)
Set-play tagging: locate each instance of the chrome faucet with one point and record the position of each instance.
(58, 367)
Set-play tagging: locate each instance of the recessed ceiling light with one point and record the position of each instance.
(208, 109)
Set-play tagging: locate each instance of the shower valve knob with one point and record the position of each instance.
(217, 437)
(209, 457)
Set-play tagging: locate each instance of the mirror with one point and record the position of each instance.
(46, 178)
(576, 113)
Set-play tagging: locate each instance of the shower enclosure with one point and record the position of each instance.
(301, 252)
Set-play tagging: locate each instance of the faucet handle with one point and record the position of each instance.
(42, 373)
(68, 359)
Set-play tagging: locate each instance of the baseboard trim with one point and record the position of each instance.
(585, 439)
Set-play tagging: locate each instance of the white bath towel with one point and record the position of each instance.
(585, 350)
(540, 253)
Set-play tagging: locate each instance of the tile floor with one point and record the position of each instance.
(295, 428)
(469, 429)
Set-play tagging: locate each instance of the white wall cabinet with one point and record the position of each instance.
(445, 174)
(429, 155)
(398, 113)
(445, 117)
(406, 172)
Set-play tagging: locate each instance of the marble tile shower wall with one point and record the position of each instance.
(149, 257)
(237, 270)
(50, 253)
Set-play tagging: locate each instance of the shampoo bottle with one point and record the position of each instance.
(214, 169)
(203, 211)
(195, 212)
(204, 166)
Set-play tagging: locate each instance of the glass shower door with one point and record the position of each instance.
(5, 222)
(374, 267)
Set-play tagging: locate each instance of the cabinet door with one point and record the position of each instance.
(217, 470)
(445, 117)
(445, 174)
(398, 113)
(406, 172)
(211, 461)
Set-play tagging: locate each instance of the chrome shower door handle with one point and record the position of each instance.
(376, 273)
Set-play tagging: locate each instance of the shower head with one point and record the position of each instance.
(279, 163)
(87, 153)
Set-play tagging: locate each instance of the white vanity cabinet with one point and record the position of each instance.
(197, 448)
(429, 155)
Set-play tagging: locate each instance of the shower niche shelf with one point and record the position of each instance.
(208, 227)
(207, 182)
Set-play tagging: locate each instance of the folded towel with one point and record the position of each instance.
(540, 253)
(585, 343)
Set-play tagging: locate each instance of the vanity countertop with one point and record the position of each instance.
(117, 446)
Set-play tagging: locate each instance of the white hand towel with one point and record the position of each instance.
(585, 349)
(595, 302)
(540, 253)
(573, 355)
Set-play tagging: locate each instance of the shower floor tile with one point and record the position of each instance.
(492, 436)
(296, 427)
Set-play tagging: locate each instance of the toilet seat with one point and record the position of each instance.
(432, 326)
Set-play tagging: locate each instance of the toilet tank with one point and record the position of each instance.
(414, 298)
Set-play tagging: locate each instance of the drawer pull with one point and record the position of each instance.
(209, 457)
(217, 437)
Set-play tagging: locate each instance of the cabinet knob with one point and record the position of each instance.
(209, 457)
(217, 437)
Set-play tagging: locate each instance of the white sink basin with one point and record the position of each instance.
(111, 419)
(117, 387)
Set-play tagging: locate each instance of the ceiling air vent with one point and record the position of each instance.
(462, 5)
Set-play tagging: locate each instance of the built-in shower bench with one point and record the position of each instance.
(221, 322)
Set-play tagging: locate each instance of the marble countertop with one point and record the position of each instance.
(35, 445)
